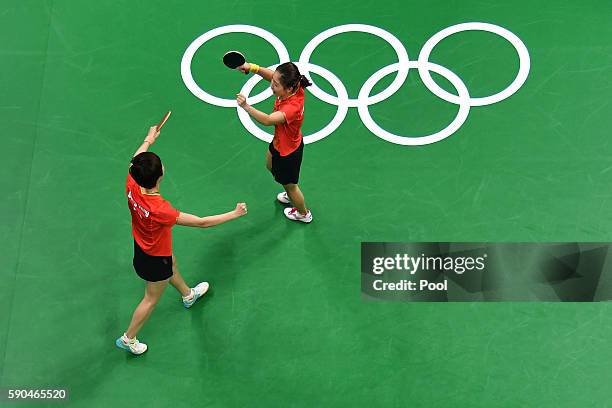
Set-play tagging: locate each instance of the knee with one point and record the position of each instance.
(290, 188)
(150, 301)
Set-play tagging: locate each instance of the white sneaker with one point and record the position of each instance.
(196, 293)
(283, 198)
(131, 345)
(294, 214)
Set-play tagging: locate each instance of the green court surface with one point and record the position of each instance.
(285, 324)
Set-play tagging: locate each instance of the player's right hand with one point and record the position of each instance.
(241, 209)
(244, 68)
(240, 100)
(152, 134)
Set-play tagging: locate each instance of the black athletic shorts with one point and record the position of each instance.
(286, 169)
(151, 268)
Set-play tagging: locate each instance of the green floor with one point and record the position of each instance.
(285, 325)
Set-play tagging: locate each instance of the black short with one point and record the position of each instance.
(151, 268)
(286, 169)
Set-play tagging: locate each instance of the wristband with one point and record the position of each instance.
(253, 68)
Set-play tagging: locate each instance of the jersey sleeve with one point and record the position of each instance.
(166, 214)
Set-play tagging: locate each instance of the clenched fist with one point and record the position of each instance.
(241, 100)
(241, 209)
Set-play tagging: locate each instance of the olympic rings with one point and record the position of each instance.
(464, 106)
(521, 77)
(364, 100)
(281, 51)
(402, 56)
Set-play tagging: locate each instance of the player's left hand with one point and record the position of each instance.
(241, 100)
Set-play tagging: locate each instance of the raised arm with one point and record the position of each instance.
(263, 72)
(275, 118)
(190, 220)
(149, 140)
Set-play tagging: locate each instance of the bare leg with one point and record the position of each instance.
(153, 291)
(177, 280)
(296, 197)
(269, 161)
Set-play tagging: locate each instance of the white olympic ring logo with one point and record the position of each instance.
(363, 100)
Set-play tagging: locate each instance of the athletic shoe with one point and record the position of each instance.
(294, 214)
(283, 198)
(196, 293)
(131, 345)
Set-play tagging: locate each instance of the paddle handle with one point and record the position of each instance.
(163, 121)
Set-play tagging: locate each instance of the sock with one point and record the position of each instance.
(190, 295)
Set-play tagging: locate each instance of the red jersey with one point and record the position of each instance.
(288, 135)
(152, 219)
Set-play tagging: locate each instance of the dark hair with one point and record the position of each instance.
(146, 168)
(290, 77)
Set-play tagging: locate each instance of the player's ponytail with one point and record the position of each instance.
(304, 82)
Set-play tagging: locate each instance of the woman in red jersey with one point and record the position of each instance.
(152, 220)
(284, 155)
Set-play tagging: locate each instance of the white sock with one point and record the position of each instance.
(190, 295)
